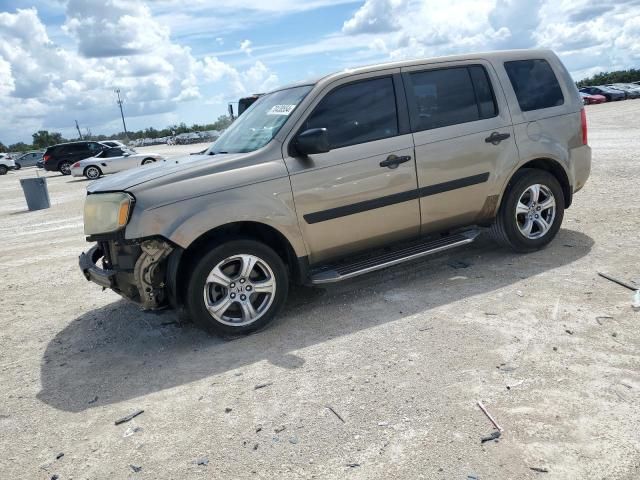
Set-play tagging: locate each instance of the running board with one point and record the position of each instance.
(412, 251)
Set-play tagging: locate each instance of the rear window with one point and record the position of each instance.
(535, 84)
(450, 96)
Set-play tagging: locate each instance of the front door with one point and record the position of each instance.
(463, 139)
(360, 194)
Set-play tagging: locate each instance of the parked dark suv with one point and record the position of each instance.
(59, 158)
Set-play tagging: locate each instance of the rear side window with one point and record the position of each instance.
(535, 84)
(75, 148)
(451, 96)
(357, 113)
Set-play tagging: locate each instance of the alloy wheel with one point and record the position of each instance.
(239, 290)
(92, 173)
(535, 211)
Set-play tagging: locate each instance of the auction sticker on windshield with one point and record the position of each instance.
(281, 110)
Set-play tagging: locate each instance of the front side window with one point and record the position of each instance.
(535, 84)
(260, 122)
(356, 113)
(113, 152)
(451, 96)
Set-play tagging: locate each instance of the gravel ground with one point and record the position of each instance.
(400, 356)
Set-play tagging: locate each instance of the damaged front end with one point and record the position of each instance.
(137, 270)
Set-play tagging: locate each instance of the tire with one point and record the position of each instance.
(18, 166)
(231, 306)
(147, 161)
(92, 172)
(510, 227)
(3, 170)
(65, 168)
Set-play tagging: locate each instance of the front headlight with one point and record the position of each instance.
(106, 212)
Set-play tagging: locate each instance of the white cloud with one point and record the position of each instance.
(583, 37)
(375, 16)
(245, 46)
(117, 45)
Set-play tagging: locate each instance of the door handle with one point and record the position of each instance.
(393, 161)
(495, 138)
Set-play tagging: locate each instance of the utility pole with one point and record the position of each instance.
(117, 90)
(78, 128)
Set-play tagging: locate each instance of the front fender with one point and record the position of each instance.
(182, 222)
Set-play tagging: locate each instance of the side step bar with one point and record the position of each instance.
(412, 251)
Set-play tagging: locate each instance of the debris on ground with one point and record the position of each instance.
(519, 293)
(331, 409)
(202, 461)
(424, 329)
(622, 283)
(293, 440)
(570, 332)
(492, 436)
(130, 431)
(279, 429)
(262, 385)
(457, 264)
(55, 477)
(486, 412)
(129, 417)
(635, 302)
(255, 447)
(555, 349)
(95, 399)
(59, 456)
(258, 428)
(228, 410)
(353, 465)
(135, 468)
(539, 469)
(603, 317)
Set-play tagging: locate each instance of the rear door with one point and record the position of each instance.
(463, 140)
(348, 199)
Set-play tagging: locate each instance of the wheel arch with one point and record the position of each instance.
(549, 165)
(186, 258)
(147, 158)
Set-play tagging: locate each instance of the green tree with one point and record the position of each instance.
(3, 149)
(20, 147)
(44, 138)
(619, 76)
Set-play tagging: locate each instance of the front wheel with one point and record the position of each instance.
(18, 166)
(531, 211)
(147, 161)
(237, 288)
(3, 170)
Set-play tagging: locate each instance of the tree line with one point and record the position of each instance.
(43, 138)
(619, 76)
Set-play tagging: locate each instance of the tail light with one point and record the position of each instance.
(583, 121)
(75, 165)
(46, 158)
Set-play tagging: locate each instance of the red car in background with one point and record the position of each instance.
(589, 99)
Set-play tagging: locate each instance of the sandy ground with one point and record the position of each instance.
(401, 356)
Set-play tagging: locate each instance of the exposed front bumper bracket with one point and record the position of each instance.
(92, 272)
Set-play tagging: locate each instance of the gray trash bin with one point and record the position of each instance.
(35, 192)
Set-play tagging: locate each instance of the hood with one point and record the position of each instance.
(190, 165)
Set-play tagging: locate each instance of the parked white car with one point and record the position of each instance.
(112, 160)
(6, 164)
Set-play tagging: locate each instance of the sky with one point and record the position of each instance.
(185, 60)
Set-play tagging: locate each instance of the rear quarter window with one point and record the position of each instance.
(535, 84)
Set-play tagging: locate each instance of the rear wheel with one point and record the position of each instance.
(92, 172)
(65, 168)
(147, 161)
(237, 288)
(3, 169)
(531, 211)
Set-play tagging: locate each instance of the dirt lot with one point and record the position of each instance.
(401, 356)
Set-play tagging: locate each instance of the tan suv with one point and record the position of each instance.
(325, 180)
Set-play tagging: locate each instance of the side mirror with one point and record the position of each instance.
(314, 140)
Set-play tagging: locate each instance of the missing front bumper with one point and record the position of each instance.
(138, 276)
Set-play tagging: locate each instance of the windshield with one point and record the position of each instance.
(260, 122)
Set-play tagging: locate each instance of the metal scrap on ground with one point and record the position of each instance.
(129, 417)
